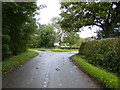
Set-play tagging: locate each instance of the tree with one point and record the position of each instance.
(44, 36)
(103, 14)
(17, 25)
(72, 38)
(60, 31)
(33, 42)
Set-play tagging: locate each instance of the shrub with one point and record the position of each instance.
(103, 53)
(5, 38)
(6, 52)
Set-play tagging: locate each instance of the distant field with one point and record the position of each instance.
(56, 50)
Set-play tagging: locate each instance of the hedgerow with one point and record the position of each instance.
(107, 79)
(104, 53)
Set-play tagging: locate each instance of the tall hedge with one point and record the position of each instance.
(104, 53)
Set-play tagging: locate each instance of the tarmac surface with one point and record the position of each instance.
(48, 70)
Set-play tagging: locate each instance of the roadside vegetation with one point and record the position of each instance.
(99, 58)
(108, 79)
(17, 59)
(56, 49)
(104, 53)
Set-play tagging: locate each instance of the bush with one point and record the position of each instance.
(5, 51)
(5, 46)
(103, 53)
(6, 38)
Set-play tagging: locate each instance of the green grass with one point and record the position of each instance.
(18, 59)
(108, 79)
(57, 50)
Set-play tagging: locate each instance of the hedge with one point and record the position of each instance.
(103, 53)
(105, 79)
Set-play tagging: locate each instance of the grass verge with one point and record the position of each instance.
(57, 50)
(18, 59)
(108, 79)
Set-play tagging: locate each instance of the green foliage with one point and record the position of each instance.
(56, 49)
(73, 39)
(87, 39)
(5, 47)
(60, 31)
(17, 26)
(33, 42)
(108, 79)
(45, 36)
(103, 14)
(5, 51)
(6, 38)
(103, 53)
(63, 50)
(18, 59)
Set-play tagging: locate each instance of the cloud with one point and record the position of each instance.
(88, 32)
(52, 10)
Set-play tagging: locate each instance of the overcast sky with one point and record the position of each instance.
(52, 10)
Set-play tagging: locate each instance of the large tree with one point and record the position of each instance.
(103, 14)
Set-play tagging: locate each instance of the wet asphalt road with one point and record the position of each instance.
(48, 70)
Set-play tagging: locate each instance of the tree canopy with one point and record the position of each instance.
(44, 36)
(60, 31)
(72, 38)
(103, 14)
(17, 26)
